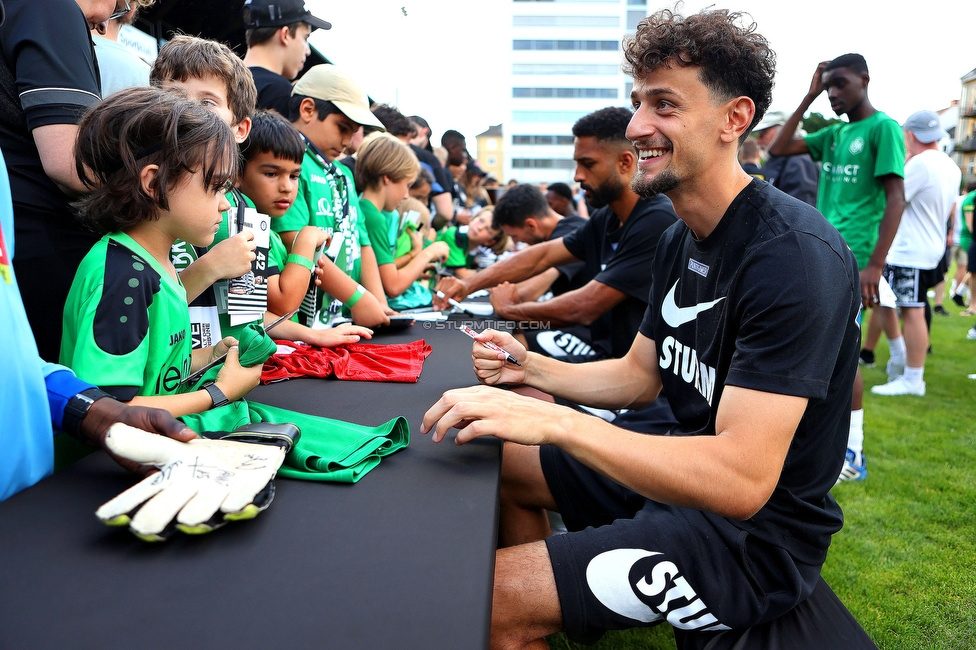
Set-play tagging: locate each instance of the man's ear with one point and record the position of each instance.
(626, 162)
(739, 116)
(241, 130)
(283, 35)
(147, 181)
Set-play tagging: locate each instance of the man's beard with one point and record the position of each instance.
(605, 193)
(646, 187)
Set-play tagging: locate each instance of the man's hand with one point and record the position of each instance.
(491, 367)
(504, 296)
(451, 287)
(816, 84)
(106, 412)
(484, 411)
(870, 279)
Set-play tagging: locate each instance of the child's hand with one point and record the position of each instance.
(222, 347)
(339, 335)
(416, 242)
(232, 257)
(438, 251)
(234, 380)
(368, 312)
(314, 235)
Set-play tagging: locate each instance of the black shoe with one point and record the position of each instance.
(940, 310)
(958, 299)
(866, 358)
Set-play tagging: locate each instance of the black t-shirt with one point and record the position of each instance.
(441, 174)
(48, 76)
(572, 276)
(621, 256)
(274, 91)
(767, 302)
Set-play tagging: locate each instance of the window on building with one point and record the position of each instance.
(587, 46)
(543, 163)
(566, 21)
(547, 116)
(564, 68)
(565, 93)
(492, 161)
(634, 17)
(542, 139)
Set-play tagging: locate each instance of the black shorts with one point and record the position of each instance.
(569, 344)
(909, 285)
(632, 562)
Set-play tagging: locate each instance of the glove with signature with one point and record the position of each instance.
(201, 484)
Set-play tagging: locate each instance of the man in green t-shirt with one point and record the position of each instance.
(862, 190)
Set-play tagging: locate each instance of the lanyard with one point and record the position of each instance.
(338, 183)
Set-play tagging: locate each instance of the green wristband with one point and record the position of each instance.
(354, 298)
(300, 260)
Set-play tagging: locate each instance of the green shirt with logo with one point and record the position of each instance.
(126, 322)
(854, 159)
(383, 229)
(327, 198)
(966, 235)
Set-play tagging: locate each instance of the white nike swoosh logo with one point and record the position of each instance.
(676, 316)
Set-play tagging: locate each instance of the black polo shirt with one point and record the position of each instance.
(48, 76)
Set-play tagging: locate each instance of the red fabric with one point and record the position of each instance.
(400, 362)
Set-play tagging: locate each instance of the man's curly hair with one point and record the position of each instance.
(735, 60)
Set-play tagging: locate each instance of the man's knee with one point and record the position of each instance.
(525, 606)
(522, 481)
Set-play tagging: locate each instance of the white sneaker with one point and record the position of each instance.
(971, 334)
(899, 386)
(895, 369)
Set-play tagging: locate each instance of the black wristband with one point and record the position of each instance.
(76, 410)
(216, 395)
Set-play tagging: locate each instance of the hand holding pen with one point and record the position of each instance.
(491, 345)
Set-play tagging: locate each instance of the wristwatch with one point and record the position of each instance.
(77, 408)
(216, 395)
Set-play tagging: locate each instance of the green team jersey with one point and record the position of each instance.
(126, 322)
(456, 238)
(854, 158)
(327, 198)
(965, 234)
(383, 228)
(210, 308)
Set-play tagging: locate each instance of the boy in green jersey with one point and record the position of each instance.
(158, 167)
(273, 155)
(862, 190)
(328, 107)
(385, 169)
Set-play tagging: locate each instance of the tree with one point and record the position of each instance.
(813, 122)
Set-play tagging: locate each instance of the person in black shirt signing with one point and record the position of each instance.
(720, 528)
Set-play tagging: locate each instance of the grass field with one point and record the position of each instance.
(905, 561)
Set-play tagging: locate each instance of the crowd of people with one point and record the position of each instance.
(688, 315)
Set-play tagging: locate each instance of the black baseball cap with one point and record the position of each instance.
(278, 13)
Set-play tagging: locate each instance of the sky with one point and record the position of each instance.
(445, 59)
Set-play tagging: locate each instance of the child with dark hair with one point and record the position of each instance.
(273, 156)
(385, 170)
(158, 167)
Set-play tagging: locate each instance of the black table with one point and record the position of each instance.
(402, 559)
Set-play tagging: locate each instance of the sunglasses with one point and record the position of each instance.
(121, 12)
